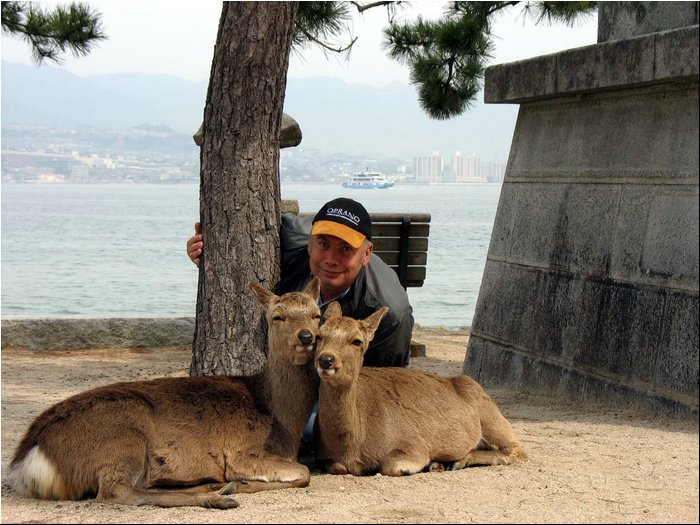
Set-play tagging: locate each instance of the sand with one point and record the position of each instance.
(587, 464)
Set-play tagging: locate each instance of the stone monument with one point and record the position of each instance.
(590, 288)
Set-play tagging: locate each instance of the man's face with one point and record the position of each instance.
(336, 263)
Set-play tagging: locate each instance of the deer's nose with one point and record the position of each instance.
(305, 337)
(326, 362)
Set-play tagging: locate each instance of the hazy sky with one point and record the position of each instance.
(177, 38)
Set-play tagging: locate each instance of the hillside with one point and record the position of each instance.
(335, 116)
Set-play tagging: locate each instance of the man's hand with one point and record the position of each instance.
(195, 244)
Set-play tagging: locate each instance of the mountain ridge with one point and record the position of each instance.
(336, 117)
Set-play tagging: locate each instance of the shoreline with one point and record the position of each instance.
(131, 331)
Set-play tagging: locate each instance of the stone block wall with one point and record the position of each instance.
(591, 283)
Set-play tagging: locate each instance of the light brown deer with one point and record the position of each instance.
(180, 441)
(399, 421)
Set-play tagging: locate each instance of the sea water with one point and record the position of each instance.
(95, 250)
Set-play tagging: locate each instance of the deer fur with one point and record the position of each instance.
(181, 441)
(399, 421)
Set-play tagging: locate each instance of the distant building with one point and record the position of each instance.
(466, 168)
(428, 168)
(494, 170)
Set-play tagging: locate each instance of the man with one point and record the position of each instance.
(336, 246)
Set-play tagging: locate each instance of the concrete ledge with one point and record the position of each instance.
(669, 56)
(106, 332)
(618, 20)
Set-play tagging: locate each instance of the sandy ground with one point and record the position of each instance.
(587, 464)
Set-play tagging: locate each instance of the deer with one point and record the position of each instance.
(399, 421)
(184, 441)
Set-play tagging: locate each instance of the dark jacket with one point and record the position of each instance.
(376, 285)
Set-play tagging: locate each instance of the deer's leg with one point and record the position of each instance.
(438, 466)
(128, 495)
(404, 462)
(486, 457)
(334, 467)
(268, 473)
(221, 488)
(497, 433)
(123, 479)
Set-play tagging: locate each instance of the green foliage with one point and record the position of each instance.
(566, 12)
(447, 57)
(318, 23)
(75, 27)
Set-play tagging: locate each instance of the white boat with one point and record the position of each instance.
(367, 180)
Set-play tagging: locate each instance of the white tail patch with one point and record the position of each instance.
(36, 476)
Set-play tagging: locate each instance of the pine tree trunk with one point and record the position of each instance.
(239, 184)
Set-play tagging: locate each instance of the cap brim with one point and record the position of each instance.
(350, 236)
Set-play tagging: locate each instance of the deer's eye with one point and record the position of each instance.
(278, 318)
(318, 316)
(356, 342)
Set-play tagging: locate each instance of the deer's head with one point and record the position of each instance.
(342, 344)
(292, 321)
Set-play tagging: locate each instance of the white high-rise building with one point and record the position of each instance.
(466, 168)
(428, 168)
(494, 170)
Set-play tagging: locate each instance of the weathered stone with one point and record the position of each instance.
(290, 133)
(671, 56)
(289, 206)
(623, 20)
(107, 332)
(590, 288)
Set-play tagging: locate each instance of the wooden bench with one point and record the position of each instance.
(401, 241)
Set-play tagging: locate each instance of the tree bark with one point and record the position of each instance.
(239, 184)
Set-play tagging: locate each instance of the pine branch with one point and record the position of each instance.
(364, 7)
(318, 42)
(447, 57)
(49, 33)
(566, 12)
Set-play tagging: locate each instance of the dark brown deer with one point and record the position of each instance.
(399, 421)
(180, 441)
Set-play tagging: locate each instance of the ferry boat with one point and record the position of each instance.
(367, 179)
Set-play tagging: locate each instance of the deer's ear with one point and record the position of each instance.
(371, 323)
(332, 310)
(314, 288)
(265, 296)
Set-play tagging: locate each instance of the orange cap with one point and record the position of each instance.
(350, 236)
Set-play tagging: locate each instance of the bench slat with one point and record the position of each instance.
(392, 258)
(414, 274)
(397, 217)
(383, 229)
(391, 244)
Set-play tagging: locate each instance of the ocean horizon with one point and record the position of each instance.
(118, 250)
